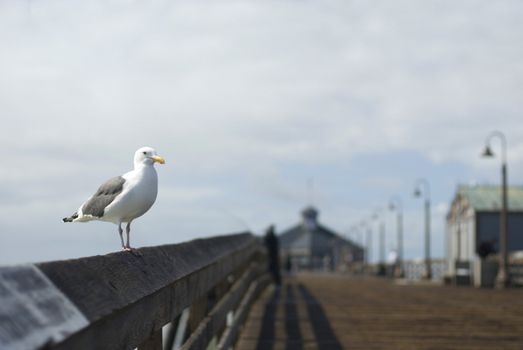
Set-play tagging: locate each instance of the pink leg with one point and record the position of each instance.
(127, 247)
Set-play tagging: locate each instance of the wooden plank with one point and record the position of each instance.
(220, 291)
(169, 333)
(230, 335)
(154, 342)
(125, 297)
(122, 278)
(217, 317)
(371, 313)
(180, 330)
(197, 313)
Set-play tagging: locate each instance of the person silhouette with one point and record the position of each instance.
(272, 245)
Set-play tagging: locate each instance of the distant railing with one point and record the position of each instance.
(197, 292)
(415, 270)
(516, 273)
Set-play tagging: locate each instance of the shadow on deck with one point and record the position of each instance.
(335, 312)
(323, 334)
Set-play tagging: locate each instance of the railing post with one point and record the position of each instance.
(197, 312)
(154, 342)
(171, 333)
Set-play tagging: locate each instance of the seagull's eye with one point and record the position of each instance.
(144, 152)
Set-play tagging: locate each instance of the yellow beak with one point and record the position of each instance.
(158, 159)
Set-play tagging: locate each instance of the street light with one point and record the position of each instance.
(354, 235)
(396, 204)
(458, 231)
(426, 192)
(502, 279)
(358, 254)
(368, 236)
(355, 232)
(376, 217)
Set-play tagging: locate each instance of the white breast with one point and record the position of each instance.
(139, 194)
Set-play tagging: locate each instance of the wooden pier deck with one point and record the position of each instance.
(335, 312)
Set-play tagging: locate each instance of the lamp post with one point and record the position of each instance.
(368, 236)
(426, 192)
(458, 213)
(502, 279)
(396, 204)
(458, 231)
(376, 216)
(354, 234)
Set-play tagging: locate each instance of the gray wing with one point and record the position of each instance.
(105, 195)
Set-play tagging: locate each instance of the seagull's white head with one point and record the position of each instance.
(147, 156)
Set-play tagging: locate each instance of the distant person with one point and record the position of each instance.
(392, 257)
(288, 265)
(486, 248)
(271, 242)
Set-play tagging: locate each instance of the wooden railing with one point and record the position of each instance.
(190, 295)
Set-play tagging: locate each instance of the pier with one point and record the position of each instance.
(216, 293)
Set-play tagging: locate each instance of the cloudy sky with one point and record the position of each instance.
(247, 100)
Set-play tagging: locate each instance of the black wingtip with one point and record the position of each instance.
(71, 218)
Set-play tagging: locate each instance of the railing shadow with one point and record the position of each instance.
(267, 332)
(324, 335)
(320, 324)
(292, 326)
(294, 340)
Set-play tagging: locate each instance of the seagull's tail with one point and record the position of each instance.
(70, 218)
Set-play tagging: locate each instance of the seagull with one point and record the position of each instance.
(124, 198)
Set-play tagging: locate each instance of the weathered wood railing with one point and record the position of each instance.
(197, 292)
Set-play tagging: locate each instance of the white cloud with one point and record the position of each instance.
(233, 92)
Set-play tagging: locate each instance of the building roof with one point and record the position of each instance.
(488, 197)
(310, 235)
